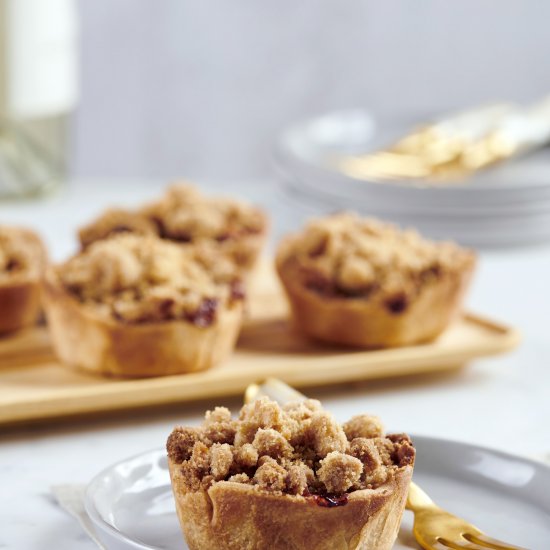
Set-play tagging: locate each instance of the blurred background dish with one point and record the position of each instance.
(505, 205)
(38, 93)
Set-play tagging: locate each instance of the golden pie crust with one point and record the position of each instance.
(233, 516)
(20, 291)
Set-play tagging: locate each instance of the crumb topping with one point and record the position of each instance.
(113, 222)
(21, 254)
(347, 256)
(137, 279)
(363, 425)
(184, 214)
(339, 471)
(297, 449)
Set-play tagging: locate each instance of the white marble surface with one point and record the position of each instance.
(502, 402)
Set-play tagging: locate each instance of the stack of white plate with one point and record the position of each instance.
(508, 205)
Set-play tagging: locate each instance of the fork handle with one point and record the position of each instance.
(417, 499)
(274, 389)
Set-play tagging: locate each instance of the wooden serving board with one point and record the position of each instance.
(35, 386)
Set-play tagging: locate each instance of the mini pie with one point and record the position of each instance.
(289, 477)
(138, 306)
(184, 215)
(22, 260)
(365, 283)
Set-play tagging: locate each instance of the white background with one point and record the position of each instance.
(199, 88)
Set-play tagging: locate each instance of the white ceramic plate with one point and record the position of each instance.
(513, 229)
(313, 144)
(131, 502)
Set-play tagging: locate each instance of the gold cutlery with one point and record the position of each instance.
(455, 147)
(437, 529)
(434, 528)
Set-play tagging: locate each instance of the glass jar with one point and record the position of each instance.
(38, 93)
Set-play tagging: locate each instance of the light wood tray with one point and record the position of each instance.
(33, 385)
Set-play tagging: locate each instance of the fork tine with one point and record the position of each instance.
(433, 546)
(488, 542)
(461, 545)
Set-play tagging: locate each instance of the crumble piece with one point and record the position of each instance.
(246, 456)
(339, 472)
(385, 449)
(218, 415)
(375, 471)
(200, 457)
(299, 414)
(325, 434)
(402, 453)
(302, 410)
(363, 425)
(261, 452)
(239, 478)
(218, 427)
(299, 477)
(181, 441)
(376, 478)
(221, 459)
(260, 414)
(270, 476)
(367, 452)
(271, 443)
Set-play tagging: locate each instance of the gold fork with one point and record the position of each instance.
(455, 147)
(434, 528)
